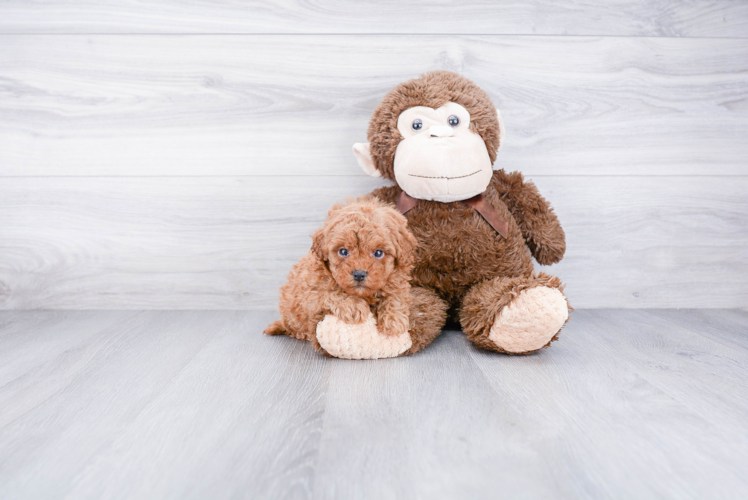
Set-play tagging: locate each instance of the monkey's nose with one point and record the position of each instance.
(441, 131)
(359, 276)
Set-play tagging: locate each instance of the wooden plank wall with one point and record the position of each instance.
(176, 155)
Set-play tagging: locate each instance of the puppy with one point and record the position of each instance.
(360, 262)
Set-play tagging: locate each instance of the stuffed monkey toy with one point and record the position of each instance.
(436, 137)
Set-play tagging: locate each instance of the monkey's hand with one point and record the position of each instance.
(535, 217)
(547, 244)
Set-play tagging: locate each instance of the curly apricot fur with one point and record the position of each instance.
(322, 281)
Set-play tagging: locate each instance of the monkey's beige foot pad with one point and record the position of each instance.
(530, 321)
(363, 341)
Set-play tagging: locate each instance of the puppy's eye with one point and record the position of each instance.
(343, 252)
(454, 121)
(417, 124)
(378, 254)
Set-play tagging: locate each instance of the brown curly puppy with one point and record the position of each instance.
(359, 263)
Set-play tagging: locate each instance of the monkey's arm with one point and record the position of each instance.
(536, 219)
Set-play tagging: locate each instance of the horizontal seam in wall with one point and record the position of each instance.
(245, 176)
(529, 35)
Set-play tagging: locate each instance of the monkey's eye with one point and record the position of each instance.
(343, 252)
(378, 254)
(417, 124)
(454, 121)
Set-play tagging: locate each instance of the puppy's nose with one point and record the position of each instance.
(359, 275)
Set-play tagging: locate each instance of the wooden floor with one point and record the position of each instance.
(628, 404)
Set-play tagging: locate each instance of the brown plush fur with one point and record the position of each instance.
(433, 90)
(428, 313)
(322, 282)
(460, 256)
(481, 307)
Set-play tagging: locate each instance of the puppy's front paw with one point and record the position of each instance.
(363, 341)
(392, 324)
(352, 311)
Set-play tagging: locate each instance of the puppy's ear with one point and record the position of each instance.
(319, 244)
(405, 242)
(319, 237)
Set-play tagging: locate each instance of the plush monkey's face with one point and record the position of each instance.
(440, 158)
(436, 136)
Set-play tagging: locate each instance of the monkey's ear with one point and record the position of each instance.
(502, 130)
(363, 156)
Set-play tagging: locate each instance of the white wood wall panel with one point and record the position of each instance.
(293, 105)
(177, 154)
(697, 18)
(228, 242)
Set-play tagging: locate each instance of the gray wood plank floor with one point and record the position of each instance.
(114, 404)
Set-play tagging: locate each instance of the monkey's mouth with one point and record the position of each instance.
(443, 177)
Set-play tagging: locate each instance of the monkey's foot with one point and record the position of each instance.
(363, 341)
(530, 321)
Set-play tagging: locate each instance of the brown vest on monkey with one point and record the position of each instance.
(437, 137)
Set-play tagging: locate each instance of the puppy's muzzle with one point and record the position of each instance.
(359, 276)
